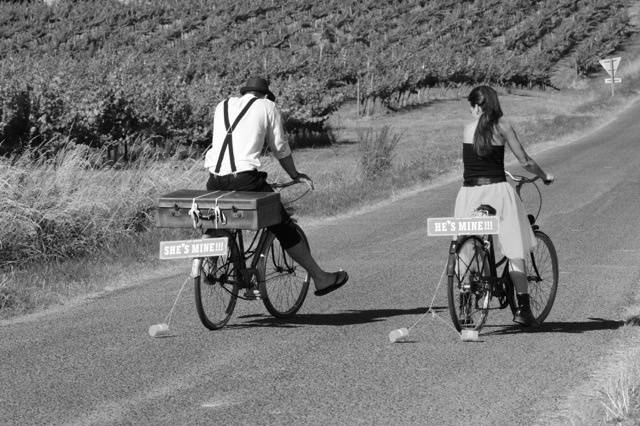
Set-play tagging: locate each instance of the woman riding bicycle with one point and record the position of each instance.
(485, 183)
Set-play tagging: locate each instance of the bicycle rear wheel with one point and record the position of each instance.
(469, 288)
(283, 282)
(216, 287)
(542, 275)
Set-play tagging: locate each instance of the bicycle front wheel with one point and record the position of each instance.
(469, 284)
(283, 282)
(216, 287)
(542, 275)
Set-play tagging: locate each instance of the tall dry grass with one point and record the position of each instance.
(619, 395)
(71, 203)
(70, 214)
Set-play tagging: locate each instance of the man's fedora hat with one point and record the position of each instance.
(258, 84)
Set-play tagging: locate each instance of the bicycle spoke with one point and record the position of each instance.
(542, 275)
(283, 283)
(469, 292)
(216, 288)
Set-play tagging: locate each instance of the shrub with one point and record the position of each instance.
(377, 151)
(14, 117)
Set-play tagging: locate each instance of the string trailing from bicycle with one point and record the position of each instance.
(402, 334)
(162, 329)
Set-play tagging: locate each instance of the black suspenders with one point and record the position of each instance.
(228, 140)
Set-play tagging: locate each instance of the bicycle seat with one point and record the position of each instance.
(213, 233)
(485, 210)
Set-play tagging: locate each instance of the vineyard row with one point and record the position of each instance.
(107, 71)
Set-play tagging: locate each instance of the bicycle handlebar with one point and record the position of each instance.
(522, 179)
(283, 184)
(290, 183)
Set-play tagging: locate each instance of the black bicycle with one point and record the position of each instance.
(478, 283)
(255, 263)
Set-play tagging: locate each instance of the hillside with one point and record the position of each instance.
(143, 73)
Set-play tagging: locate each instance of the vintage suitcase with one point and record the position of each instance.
(239, 209)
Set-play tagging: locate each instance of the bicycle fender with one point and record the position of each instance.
(452, 258)
(195, 267)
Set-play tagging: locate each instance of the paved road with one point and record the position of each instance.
(333, 364)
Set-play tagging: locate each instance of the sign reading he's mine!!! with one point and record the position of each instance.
(439, 226)
(206, 247)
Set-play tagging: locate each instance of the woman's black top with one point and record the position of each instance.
(490, 166)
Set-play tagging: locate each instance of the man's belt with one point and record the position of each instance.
(234, 174)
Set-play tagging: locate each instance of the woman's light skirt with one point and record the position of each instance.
(515, 239)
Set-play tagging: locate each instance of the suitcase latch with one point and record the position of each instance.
(176, 210)
(235, 212)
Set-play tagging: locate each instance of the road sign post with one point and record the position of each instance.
(611, 66)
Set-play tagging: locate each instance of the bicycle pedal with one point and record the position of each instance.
(466, 321)
(252, 294)
(469, 335)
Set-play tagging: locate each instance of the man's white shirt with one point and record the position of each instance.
(261, 123)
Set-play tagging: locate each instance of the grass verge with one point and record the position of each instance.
(611, 395)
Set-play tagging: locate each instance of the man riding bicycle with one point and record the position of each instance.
(241, 126)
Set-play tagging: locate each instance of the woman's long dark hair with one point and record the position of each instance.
(487, 99)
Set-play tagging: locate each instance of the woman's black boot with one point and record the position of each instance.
(523, 313)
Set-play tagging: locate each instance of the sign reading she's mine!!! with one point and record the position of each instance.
(206, 247)
(439, 226)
